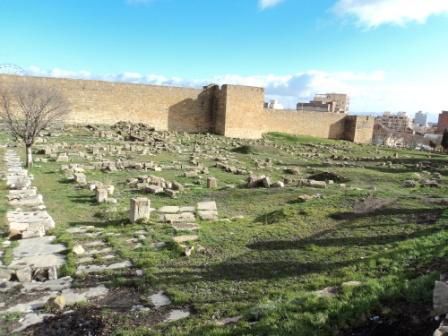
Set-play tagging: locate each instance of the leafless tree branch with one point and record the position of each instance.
(28, 108)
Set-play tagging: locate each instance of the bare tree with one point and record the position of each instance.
(28, 108)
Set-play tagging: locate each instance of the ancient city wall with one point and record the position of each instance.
(181, 109)
(246, 117)
(318, 124)
(232, 110)
(243, 111)
(359, 129)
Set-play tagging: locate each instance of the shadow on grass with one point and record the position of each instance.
(66, 181)
(417, 216)
(83, 199)
(340, 241)
(102, 223)
(272, 217)
(248, 271)
(386, 212)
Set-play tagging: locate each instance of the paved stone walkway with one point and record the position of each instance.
(94, 254)
(31, 280)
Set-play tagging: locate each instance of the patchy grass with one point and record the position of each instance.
(268, 254)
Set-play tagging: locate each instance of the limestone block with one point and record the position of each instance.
(78, 250)
(140, 208)
(316, 184)
(169, 209)
(207, 210)
(154, 189)
(80, 178)
(178, 186)
(110, 190)
(266, 181)
(24, 274)
(101, 195)
(185, 217)
(63, 157)
(34, 230)
(440, 298)
(212, 182)
(278, 184)
(171, 193)
(207, 206)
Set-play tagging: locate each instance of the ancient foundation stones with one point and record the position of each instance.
(80, 178)
(207, 210)
(35, 257)
(63, 157)
(212, 183)
(140, 209)
(101, 195)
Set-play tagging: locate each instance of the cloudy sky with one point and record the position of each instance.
(387, 54)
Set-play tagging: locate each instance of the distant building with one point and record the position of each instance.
(273, 105)
(421, 119)
(442, 125)
(393, 130)
(399, 122)
(329, 102)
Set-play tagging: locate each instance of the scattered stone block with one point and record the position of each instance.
(440, 298)
(207, 210)
(171, 193)
(5, 274)
(169, 209)
(58, 302)
(101, 195)
(159, 300)
(191, 174)
(185, 226)
(63, 157)
(186, 238)
(177, 186)
(140, 209)
(184, 217)
(315, 184)
(410, 184)
(212, 182)
(80, 178)
(278, 184)
(78, 250)
(292, 171)
(177, 314)
(24, 274)
(188, 250)
(110, 190)
(154, 189)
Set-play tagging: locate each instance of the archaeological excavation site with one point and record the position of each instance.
(141, 210)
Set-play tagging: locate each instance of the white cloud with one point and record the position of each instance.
(369, 91)
(264, 4)
(373, 13)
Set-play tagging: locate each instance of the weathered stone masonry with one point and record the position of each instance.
(230, 110)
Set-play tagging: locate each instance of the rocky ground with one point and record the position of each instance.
(124, 230)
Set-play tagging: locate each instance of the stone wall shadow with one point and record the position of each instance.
(337, 130)
(192, 115)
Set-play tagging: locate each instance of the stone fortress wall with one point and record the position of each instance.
(231, 110)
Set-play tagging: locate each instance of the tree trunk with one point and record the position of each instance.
(29, 157)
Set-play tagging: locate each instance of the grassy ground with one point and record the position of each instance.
(265, 264)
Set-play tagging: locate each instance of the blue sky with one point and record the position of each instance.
(387, 54)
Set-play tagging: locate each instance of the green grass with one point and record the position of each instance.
(265, 265)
